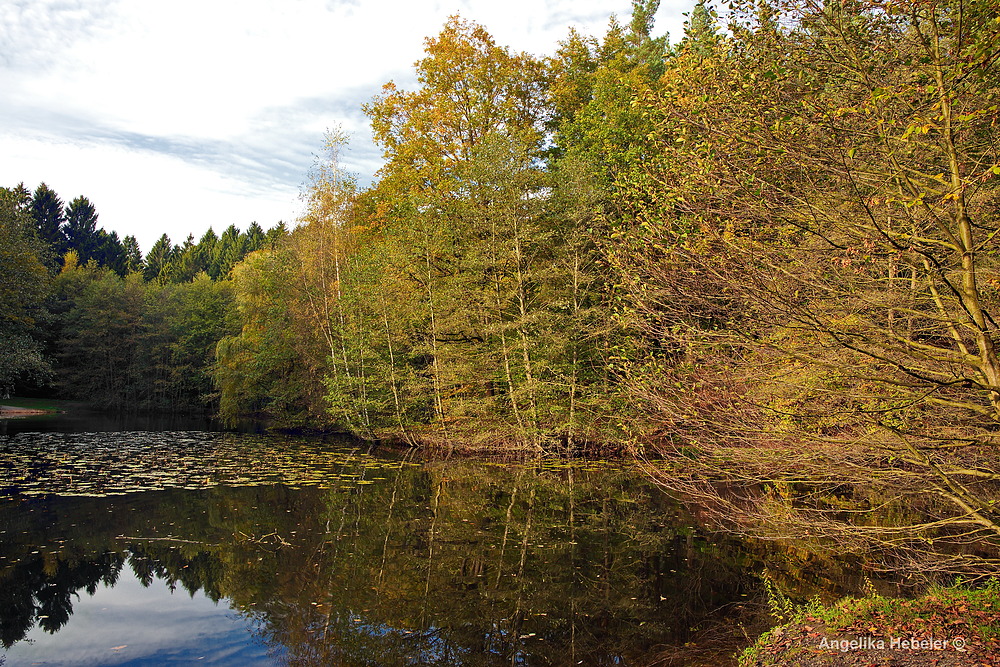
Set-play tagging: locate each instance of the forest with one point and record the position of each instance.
(763, 253)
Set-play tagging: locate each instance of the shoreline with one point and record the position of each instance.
(13, 411)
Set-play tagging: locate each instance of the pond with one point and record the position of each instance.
(143, 547)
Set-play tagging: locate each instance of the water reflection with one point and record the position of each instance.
(357, 559)
(80, 419)
(138, 623)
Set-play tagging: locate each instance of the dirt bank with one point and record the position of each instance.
(13, 411)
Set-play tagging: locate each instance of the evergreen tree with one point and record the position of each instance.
(276, 234)
(111, 253)
(81, 229)
(204, 249)
(184, 263)
(646, 49)
(255, 238)
(47, 212)
(228, 251)
(133, 255)
(701, 34)
(20, 197)
(157, 263)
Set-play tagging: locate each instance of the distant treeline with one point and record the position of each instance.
(88, 316)
(72, 228)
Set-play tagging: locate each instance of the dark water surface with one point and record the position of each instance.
(143, 547)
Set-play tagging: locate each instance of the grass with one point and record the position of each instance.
(47, 404)
(943, 611)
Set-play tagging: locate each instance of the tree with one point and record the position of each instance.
(275, 235)
(255, 237)
(205, 250)
(47, 211)
(601, 127)
(227, 252)
(571, 86)
(272, 366)
(819, 259)
(158, 260)
(81, 229)
(133, 255)
(469, 87)
(200, 312)
(184, 264)
(701, 34)
(24, 282)
(472, 93)
(128, 344)
(98, 345)
(111, 253)
(648, 50)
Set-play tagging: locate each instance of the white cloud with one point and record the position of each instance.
(178, 115)
(147, 194)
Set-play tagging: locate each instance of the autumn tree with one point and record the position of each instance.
(819, 264)
(471, 92)
(469, 87)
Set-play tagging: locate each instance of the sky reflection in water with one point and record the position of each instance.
(129, 624)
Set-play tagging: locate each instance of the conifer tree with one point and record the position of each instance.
(48, 214)
(133, 255)
(157, 261)
(701, 34)
(110, 252)
(81, 229)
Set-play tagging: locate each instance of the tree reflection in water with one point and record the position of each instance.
(444, 563)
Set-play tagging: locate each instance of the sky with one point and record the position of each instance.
(173, 117)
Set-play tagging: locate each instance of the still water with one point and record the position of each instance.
(143, 547)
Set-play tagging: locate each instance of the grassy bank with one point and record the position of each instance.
(957, 625)
(44, 404)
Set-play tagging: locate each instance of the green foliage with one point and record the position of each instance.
(24, 282)
(261, 370)
(701, 34)
(127, 344)
(495, 280)
(111, 253)
(782, 609)
(132, 255)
